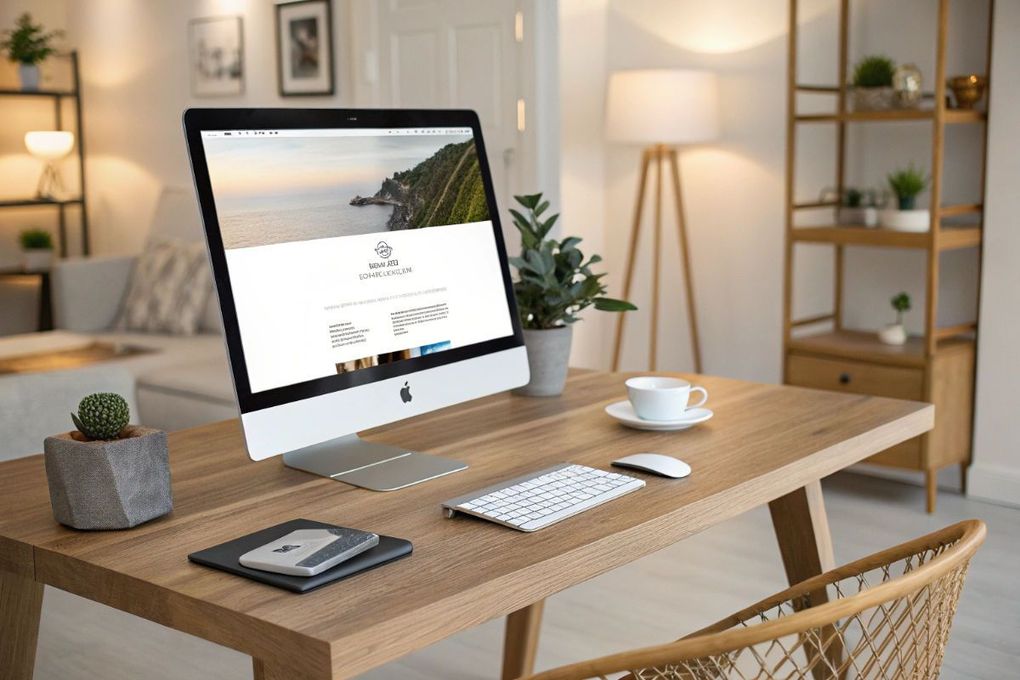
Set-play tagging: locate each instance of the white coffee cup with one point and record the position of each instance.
(660, 398)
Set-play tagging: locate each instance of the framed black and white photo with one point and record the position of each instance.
(304, 47)
(216, 56)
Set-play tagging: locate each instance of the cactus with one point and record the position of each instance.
(102, 415)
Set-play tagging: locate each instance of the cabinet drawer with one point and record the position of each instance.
(856, 377)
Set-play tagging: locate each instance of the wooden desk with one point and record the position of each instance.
(766, 444)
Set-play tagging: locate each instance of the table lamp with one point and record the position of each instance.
(49, 146)
(661, 109)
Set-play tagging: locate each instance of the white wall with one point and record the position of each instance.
(996, 470)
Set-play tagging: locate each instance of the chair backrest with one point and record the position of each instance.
(884, 616)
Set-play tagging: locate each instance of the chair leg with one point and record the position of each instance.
(521, 641)
(931, 488)
(20, 608)
(964, 466)
(802, 530)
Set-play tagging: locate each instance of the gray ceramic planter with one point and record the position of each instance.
(113, 484)
(548, 354)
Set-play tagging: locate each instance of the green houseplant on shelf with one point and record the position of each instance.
(28, 44)
(906, 184)
(555, 284)
(895, 333)
(36, 249)
(873, 84)
(107, 474)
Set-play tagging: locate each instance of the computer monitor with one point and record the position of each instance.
(362, 278)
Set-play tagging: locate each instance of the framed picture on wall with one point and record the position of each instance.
(304, 47)
(216, 56)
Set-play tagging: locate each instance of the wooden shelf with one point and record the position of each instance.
(26, 202)
(865, 346)
(952, 116)
(950, 238)
(9, 92)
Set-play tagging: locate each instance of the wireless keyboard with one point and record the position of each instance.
(535, 501)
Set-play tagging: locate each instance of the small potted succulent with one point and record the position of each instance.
(858, 207)
(555, 283)
(895, 333)
(28, 45)
(36, 249)
(873, 84)
(107, 474)
(906, 184)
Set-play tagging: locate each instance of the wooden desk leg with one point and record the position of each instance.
(521, 641)
(20, 608)
(805, 544)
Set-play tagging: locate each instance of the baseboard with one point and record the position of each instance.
(994, 483)
(949, 477)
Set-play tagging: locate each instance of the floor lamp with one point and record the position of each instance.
(661, 109)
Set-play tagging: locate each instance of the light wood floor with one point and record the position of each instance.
(653, 600)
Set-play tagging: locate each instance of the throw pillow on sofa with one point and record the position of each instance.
(170, 285)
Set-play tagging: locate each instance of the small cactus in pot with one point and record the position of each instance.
(107, 474)
(103, 415)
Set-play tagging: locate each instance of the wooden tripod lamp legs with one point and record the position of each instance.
(660, 154)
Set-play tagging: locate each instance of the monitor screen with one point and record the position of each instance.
(350, 249)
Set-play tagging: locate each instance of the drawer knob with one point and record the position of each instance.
(844, 378)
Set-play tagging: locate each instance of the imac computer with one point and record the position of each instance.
(362, 278)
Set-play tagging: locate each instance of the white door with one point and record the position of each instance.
(460, 54)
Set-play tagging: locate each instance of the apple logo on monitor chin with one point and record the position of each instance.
(405, 393)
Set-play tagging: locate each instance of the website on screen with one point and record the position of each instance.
(352, 248)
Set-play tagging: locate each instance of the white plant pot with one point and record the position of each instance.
(906, 220)
(873, 98)
(28, 74)
(548, 354)
(893, 334)
(36, 259)
(866, 217)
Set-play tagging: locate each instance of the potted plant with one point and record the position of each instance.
(907, 183)
(894, 333)
(107, 474)
(28, 44)
(36, 249)
(858, 207)
(873, 84)
(555, 283)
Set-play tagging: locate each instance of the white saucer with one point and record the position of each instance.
(623, 412)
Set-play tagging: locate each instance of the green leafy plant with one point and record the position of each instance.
(907, 184)
(28, 43)
(556, 282)
(901, 303)
(35, 239)
(874, 71)
(853, 198)
(102, 415)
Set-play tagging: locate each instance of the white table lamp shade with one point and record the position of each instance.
(49, 144)
(662, 106)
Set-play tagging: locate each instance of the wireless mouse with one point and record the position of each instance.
(656, 463)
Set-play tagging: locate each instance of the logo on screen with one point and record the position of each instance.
(383, 249)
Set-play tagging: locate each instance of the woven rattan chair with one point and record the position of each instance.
(883, 616)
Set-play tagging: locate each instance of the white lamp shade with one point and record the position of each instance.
(662, 106)
(49, 144)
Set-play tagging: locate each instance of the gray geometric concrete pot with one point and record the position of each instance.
(548, 354)
(116, 484)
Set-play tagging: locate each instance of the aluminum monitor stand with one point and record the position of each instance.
(378, 467)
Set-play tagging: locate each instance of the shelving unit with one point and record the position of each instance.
(59, 96)
(937, 367)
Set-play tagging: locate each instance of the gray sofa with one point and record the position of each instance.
(186, 381)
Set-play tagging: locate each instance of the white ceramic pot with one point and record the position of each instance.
(548, 354)
(858, 217)
(893, 334)
(906, 220)
(29, 76)
(36, 259)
